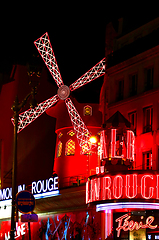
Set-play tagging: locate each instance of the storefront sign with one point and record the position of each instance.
(45, 188)
(123, 186)
(125, 224)
(114, 145)
(6, 193)
(19, 233)
(39, 189)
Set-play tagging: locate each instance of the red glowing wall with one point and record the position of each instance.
(77, 225)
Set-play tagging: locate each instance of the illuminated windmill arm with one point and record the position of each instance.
(31, 114)
(44, 47)
(80, 128)
(95, 72)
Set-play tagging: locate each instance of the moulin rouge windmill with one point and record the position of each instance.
(44, 47)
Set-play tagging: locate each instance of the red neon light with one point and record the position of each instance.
(157, 187)
(129, 154)
(131, 225)
(103, 148)
(131, 187)
(123, 186)
(144, 186)
(106, 188)
(130, 144)
(113, 143)
(108, 223)
(118, 186)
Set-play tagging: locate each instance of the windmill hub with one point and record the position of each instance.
(63, 92)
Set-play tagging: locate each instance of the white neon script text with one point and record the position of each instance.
(124, 224)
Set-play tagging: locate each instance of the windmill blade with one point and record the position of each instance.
(80, 128)
(44, 47)
(97, 71)
(31, 114)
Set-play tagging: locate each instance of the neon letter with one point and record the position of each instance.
(106, 188)
(143, 187)
(157, 186)
(56, 183)
(113, 143)
(52, 186)
(132, 187)
(150, 220)
(126, 223)
(103, 148)
(130, 144)
(95, 189)
(118, 186)
(33, 187)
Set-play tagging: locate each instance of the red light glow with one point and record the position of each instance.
(123, 186)
(118, 149)
(124, 224)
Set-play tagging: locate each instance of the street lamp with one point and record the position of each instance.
(34, 73)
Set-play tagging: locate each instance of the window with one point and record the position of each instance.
(59, 149)
(120, 90)
(147, 160)
(60, 135)
(133, 84)
(87, 110)
(148, 117)
(70, 148)
(149, 73)
(133, 119)
(71, 133)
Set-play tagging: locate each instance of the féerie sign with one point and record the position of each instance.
(125, 223)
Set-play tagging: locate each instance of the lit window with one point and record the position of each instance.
(148, 115)
(60, 135)
(59, 149)
(147, 160)
(133, 119)
(71, 133)
(85, 150)
(87, 110)
(70, 148)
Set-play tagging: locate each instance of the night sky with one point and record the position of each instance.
(77, 34)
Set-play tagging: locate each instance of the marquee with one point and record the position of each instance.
(138, 185)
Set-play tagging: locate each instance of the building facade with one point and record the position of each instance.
(111, 192)
(131, 87)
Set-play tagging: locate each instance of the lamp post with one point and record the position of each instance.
(34, 73)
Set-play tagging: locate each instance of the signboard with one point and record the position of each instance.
(29, 217)
(40, 189)
(25, 202)
(125, 223)
(113, 148)
(135, 185)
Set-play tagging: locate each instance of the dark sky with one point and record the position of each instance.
(77, 34)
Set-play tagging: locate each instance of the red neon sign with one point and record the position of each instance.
(124, 224)
(123, 148)
(123, 186)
